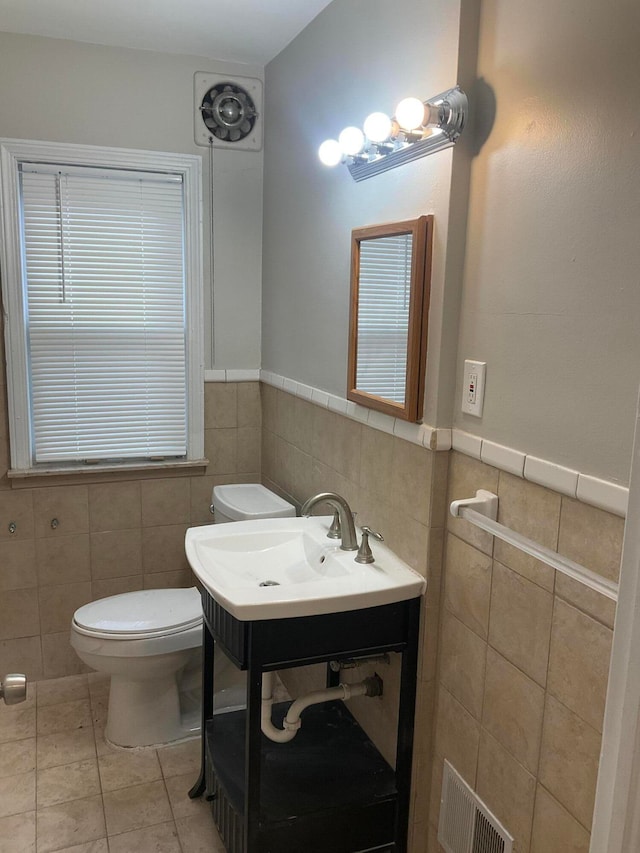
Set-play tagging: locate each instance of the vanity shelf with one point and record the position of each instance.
(328, 790)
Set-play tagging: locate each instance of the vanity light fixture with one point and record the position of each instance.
(417, 129)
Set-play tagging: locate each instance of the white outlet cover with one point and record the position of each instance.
(473, 387)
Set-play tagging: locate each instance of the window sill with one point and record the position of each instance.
(66, 475)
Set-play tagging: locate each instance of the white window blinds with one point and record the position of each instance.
(103, 261)
(384, 286)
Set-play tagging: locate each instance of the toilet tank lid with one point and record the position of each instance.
(242, 501)
(148, 611)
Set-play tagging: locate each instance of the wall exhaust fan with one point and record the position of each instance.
(228, 112)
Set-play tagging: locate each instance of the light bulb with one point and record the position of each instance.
(410, 113)
(377, 127)
(330, 152)
(351, 140)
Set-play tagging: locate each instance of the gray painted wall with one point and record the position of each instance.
(65, 91)
(551, 292)
(551, 298)
(354, 58)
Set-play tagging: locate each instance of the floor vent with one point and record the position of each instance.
(466, 824)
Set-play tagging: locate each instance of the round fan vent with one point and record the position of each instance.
(229, 112)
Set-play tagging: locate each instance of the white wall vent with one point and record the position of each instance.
(466, 824)
(228, 111)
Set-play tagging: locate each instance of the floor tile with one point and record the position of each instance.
(98, 681)
(69, 824)
(180, 759)
(102, 746)
(64, 716)
(121, 769)
(17, 724)
(65, 747)
(136, 807)
(18, 794)
(99, 707)
(17, 756)
(99, 846)
(53, 753)
(18, 833)
(198, 834)
(161, 838)
(57, 690)
(178, 791)
(67, 782)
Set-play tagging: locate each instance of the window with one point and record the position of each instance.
(102, 290)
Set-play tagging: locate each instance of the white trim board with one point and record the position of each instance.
(616, 816)
(602, 494)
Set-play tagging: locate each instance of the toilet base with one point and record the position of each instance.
(144, 713)
(166, 709)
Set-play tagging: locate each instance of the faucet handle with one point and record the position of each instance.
(335, 531)
(364, 554)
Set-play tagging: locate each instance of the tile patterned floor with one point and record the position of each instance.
(64, 789)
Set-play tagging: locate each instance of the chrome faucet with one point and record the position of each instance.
(347, 527)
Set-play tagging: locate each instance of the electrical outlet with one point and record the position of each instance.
(473, 387)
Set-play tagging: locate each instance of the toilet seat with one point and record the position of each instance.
(141, 615)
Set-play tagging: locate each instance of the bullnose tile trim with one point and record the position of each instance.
(563, 480)
(320, 398)
(421, 434)
(443, 439)
(337, 404)
(603, 494)
(244, 375)
(215, 376)
(505, 458)
(233, 375)
(410, 432)
(470, 445)
(378, 420)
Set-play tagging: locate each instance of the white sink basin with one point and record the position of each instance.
(284, 567)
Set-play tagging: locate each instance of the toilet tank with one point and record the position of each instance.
(245, 501)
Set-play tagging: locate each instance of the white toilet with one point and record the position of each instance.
(150, 642)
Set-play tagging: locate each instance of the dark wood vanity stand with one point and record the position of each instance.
(328, 790)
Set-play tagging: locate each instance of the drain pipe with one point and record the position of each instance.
(369, 687)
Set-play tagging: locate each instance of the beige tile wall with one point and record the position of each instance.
(396, 488)
(523, 662)
(111, 536)
(521, 677)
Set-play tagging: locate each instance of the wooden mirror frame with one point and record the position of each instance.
(421, 230)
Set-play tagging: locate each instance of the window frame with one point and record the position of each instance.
(14, 152)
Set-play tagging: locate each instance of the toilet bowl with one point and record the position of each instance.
(146, 641)
(150, 643)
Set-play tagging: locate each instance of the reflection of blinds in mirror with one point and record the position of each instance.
(384, 286)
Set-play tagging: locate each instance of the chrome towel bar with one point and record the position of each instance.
(482, 511)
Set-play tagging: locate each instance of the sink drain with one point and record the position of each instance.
(268, 583)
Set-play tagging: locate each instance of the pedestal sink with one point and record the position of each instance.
(287, 567)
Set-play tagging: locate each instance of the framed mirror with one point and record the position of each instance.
(390, 288)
